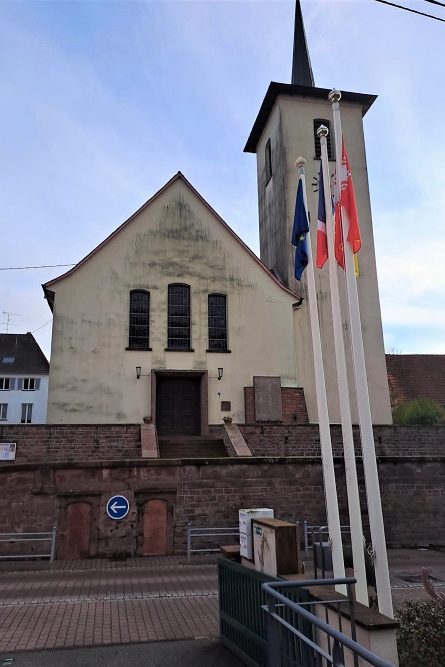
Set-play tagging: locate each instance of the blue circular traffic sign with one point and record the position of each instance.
(118, 507)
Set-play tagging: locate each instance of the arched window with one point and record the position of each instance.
(329, 138)
(178, 335)
(217, 323)
(139, 320)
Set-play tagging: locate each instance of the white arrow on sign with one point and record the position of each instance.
(116, 507)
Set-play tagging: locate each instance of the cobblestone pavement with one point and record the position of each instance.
(99, 602)
(72, 605)
(405, 566)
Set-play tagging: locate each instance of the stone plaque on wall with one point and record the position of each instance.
(267, 393)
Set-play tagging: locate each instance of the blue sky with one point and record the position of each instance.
(103, 102)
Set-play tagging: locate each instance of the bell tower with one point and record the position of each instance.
(285, 128)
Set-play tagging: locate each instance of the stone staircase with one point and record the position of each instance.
(191, 447)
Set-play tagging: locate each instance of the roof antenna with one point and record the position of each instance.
(301, 63)
(8, 317)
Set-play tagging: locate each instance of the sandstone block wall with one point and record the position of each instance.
(210, 493)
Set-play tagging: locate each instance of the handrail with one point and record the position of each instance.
(48, 536)
(200, 532)
(340, 640)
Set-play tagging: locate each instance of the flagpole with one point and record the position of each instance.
(322, 407)
(355, 518)
(364, 411)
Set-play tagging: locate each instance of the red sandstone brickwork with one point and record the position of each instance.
(45, 442)
(211, 493)
(293, 405)
(40, 443)
(281, 440)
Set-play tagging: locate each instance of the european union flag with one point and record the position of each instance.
(299, 231)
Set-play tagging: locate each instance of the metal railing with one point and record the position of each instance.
(289, 644)
(14, 538)
(310, 533)
(193, 531)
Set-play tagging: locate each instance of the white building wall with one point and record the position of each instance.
(14, 398)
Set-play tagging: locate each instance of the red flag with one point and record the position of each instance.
(346, 207)
(338, 237)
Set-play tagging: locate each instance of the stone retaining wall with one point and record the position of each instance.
(209, 493)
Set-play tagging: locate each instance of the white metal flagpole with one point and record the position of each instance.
(364, 411)
(355, 517)
(322, 406)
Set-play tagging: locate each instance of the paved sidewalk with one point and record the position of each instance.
(99, 602)
(72, 605)
(203, 653)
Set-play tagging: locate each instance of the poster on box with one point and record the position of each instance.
(7, 451)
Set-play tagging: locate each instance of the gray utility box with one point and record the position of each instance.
(323, 556)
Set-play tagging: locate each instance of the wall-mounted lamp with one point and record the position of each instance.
(220, 373)
(138, 372)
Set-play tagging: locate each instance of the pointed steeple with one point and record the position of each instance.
(301, 64)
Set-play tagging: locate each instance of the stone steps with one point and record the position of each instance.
(191, 448)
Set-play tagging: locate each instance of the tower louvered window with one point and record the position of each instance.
(178, 317)
(326, 123)
(217, 323)
(139, 320)
(268, 161)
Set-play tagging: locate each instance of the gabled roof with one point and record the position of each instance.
(49, 294)
(290, 90)
(25, 353)
(416, 376)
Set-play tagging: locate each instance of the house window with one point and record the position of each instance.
(268, 159)
(5, 384)
(8, 360)
(217, 323)
(178, 336)
(3, 412)
(329, 142)
(26, 413)
(139, 320)
(28, 384)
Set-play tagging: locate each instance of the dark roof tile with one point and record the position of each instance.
(28, 357)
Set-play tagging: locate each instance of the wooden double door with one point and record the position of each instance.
(178, 406)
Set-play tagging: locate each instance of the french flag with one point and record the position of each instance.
(322, 239)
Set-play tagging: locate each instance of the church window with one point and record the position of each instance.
(317, 123)
(268, 158)
(217, 323)
(139, 320)
(178, 337)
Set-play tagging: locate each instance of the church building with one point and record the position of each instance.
(175, 321)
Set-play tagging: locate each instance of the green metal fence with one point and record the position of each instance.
(242, 620)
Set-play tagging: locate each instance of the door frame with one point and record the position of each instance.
(203, 392)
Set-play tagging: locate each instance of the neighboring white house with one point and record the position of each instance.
(24, 372)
